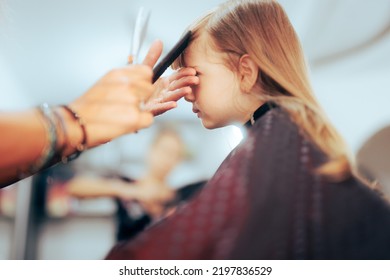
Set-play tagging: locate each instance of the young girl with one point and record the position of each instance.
(288, 190)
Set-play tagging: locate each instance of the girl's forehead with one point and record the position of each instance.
(200, 48)
(191, 54)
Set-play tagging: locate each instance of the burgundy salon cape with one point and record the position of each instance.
(265, 202)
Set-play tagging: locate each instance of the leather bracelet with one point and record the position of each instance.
(83, 145)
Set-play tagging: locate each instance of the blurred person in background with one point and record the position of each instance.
(144, 200)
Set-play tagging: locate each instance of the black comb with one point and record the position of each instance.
(179, 47)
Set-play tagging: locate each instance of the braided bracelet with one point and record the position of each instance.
(83, 145)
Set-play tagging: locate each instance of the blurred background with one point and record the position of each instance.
(52, 51)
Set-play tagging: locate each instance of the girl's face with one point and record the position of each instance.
(214, 99)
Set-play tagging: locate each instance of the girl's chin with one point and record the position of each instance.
(210, 125)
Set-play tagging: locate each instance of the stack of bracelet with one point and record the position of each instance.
(52, 131)
(56, 126)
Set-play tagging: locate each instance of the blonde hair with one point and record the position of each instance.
(261, 29)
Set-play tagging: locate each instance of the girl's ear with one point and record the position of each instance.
(248, 71)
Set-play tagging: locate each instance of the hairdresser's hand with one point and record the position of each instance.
(111, 108)
(168, 90)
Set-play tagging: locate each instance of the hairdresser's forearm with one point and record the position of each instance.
(24, 138)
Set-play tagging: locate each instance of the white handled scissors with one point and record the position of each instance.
(139, 34)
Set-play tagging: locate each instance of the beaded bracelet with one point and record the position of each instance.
(83, 145)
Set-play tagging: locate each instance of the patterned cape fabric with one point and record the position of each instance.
(266, 202)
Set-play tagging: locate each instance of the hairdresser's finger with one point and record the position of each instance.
(175, 95)
(183, 72)
(162, 83)
(153, 54)
(186, 81)
(160, 108)
(160, 86)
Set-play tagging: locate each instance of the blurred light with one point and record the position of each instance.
(235, 136)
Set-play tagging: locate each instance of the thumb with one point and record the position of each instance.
(153, 54)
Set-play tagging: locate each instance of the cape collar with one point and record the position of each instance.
(260, 112)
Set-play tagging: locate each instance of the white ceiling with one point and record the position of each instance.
(54, 50)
